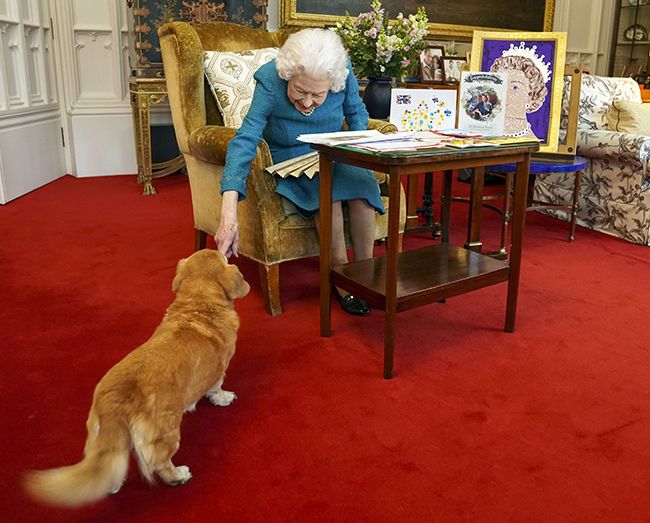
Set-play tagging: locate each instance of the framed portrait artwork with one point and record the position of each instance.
(535, 66)
(456, 20)
(453, 66)
(431, 64)
(148, 15)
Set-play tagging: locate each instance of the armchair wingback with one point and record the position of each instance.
(614, 191)
(267, 235)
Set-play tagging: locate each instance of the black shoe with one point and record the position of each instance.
(351, 304)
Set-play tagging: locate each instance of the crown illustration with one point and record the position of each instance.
(531, 54)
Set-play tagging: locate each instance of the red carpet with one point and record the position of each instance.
(549, 424)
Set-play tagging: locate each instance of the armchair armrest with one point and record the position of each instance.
(612, 145)
(381, 126)
(210, 142)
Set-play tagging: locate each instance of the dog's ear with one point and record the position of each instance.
(180, 274)
(233, 282)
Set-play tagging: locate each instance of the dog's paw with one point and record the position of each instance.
(175, 476)
(222, 398)
(190, 408)
(183, 475)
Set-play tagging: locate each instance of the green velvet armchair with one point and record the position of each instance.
(267, 235)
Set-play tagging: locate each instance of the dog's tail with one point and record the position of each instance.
(101, 471)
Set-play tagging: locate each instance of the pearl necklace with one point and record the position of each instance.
(308, 112)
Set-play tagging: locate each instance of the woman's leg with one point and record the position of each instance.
(362, 229)
(339, 252)
(349, 303)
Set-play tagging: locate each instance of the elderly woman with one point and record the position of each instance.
(308, 88)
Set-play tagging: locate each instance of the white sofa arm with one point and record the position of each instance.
(615, 146)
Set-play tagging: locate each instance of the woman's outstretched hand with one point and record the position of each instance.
(227, 236)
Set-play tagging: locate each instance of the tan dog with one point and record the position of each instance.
(140, 401)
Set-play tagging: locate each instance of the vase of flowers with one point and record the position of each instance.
(380, 50)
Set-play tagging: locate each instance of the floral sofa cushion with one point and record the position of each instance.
(597, 94)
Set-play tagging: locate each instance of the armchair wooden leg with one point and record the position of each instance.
(200, 239)
(270, 282)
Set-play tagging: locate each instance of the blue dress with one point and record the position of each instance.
(273, 117)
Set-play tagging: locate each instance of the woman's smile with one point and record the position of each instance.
(306, 93)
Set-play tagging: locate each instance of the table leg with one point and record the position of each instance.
(144, 143)
(137, 136)
(574, 206)
(473, 242)
(427, 199)
(325, 245)
(391, 272)
(518, 222)
(446, 205)
(507, 196)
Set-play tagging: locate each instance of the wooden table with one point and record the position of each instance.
(400, 281)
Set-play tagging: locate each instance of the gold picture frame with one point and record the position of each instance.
(449, 24)
(548, 51)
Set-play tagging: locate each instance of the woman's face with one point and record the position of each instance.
(306, 92)
(518, 97)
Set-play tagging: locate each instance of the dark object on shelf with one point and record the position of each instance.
(636, 32)
(377, 97)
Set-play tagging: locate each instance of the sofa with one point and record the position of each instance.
(615, 186)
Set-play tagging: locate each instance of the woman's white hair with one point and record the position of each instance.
(316, 52)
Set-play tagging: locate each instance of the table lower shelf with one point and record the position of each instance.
(424, 275)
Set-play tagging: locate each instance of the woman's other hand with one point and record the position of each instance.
(227, 236)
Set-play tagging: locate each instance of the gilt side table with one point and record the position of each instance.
(145, 92)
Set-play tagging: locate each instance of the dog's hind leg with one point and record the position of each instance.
(220, 397)
(163, 450)
(155, 443)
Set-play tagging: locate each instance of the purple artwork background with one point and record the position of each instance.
(540, 119)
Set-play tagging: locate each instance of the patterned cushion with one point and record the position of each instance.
(629, 117)
(230, 76)
(598, 93)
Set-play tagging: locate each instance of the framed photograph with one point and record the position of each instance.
(432, 68)
(453, 67)
(451, 18)
(423, 109)
(535, 66)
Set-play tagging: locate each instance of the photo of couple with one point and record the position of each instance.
(481, 107)
(431, 64)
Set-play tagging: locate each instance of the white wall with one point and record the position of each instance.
(589, 25)
(93, 53)
(30, 129)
